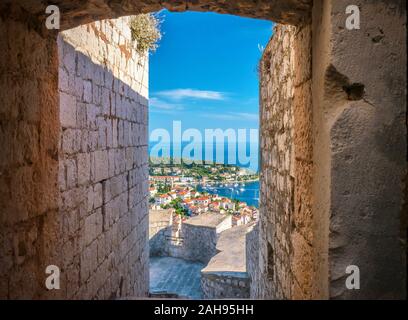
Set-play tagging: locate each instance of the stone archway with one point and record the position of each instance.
(312, 166)
(75, 13)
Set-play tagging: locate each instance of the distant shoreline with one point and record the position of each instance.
(174, 162)
(218, 182)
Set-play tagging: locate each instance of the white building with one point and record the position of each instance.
(162, 199)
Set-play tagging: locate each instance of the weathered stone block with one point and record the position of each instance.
(67, 110)
(100, 166)
(92, 226)
(84, 168)
(72, 173)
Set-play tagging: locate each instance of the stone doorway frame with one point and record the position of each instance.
(355, 145)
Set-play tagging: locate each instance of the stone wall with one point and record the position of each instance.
(358, 159)
(304, 255)
(252, 260)
(226, 276)
(199, 243)
(200, 235)
(103, 175)
(85, 11)
(277, 164)
(29, 228)
(195, 241)
(359, 108)
(322, 207)
(285, 228)
(225, 285)
(160, 231)
(225, 224)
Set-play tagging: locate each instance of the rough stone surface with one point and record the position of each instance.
(231, 251)
(92, 145)
(195, 240)
(285, 264)
(252, 261)
(160, 229)
(102, 161)
(80, 12)
(333, 143)
(225, 276)
(361, 137)
(29, 126)
(175, 276)
(206, 242)
(200, 238)
(225, 285)
(277, 167)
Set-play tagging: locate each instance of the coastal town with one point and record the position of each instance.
(207, 172)
(191, 190)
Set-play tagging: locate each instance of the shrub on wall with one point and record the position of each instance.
(146, 32)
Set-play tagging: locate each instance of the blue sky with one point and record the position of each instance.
(204, 72)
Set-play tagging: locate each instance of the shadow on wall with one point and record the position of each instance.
(29, 160)
(195, 243)
(103, 181)
(158, 243)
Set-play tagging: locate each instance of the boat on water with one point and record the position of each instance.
(236, 185)
(242, 184)
(242, 189)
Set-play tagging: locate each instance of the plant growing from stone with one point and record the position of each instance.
(146, 32)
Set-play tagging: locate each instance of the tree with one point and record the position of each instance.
(236, 203)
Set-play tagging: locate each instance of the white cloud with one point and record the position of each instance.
(157, 103)
(179, 94)
(233, 116)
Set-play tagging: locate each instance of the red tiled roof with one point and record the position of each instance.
(164, 177)
(202, 199)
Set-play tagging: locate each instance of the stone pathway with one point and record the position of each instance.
(175, 276)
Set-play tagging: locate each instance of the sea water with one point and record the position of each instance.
(245, 192)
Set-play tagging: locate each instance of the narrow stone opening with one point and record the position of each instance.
(271, 265)
(74, 180)
(204, 191)
(355, 91)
